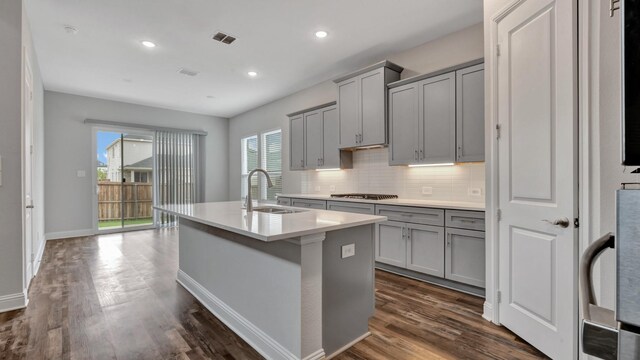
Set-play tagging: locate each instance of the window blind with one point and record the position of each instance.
(272, 163)
(177, 177)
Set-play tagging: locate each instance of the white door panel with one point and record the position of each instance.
(537, 173)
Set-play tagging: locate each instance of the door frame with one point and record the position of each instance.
(27, 243)
(584, 110)
(94, 176)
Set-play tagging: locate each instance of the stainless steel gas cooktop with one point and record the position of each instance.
(365, 196)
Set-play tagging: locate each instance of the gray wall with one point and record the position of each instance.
(452, 49)
(68, 145)
(10, 134)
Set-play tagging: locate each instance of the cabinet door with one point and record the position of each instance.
(296, 143)
(403, 124)
(465, 256)
(348, 104)
(372, 100)
(313, 139)
(391, 245)
(438, 119)
(331, 138)
(470, 114)
(425, 249)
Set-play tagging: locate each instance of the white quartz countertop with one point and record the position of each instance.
(457, 205)
(232, 217)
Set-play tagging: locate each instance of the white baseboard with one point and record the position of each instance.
(487, 312)
(69, 234)
(350, 344)
(38, 259)
(253, 335)
(13, 302)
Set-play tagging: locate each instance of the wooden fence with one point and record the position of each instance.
(137, 204)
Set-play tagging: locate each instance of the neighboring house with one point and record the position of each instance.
(138, 159)
(102, 171)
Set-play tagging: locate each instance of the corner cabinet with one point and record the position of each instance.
(313, 139)
(438, 118)
(362, 105)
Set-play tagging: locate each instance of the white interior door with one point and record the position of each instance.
(28, 170)
(536, 106)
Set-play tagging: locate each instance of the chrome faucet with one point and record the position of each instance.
(249, 202)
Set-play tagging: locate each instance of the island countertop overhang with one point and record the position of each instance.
(230, 216)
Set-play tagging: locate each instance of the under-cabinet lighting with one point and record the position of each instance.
(427, 165)
(332, 169)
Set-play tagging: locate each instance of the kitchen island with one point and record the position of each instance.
(293, 283)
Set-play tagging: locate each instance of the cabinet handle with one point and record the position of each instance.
(449, 240)
(360, 138)
(408, 234)
(356, 138)
(415, 156)
(404, 233)
(421, 155)
(322, 161)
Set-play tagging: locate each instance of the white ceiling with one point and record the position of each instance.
(275, 38)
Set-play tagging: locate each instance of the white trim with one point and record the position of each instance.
(254, 336)
(69, 234)
(13, 301)
(350, 344)
(487, 311)
(38, 258)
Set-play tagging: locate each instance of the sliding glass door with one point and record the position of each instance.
(124, 180)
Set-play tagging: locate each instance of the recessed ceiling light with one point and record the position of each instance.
(252, 73)
(321, 34)
(148, 44)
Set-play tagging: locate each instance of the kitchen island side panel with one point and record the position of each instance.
(258, 280)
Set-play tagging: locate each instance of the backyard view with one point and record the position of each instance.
(125, 180)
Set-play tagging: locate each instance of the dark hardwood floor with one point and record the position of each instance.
(115, 297)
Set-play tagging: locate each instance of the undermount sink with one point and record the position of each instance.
(276, 210)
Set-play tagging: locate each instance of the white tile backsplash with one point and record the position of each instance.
(371, 173)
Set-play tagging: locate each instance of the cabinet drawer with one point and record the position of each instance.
(424, 216)
(351, 207)
(309, 203)
(472, 220)
(284, 201)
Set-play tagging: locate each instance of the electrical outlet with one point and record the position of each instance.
(317, 188)
(81, 173)
(332, 188)
(427, 190)
(475, 192)
(348, 250)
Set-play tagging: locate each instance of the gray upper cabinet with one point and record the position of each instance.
(348, 98)
(314, 136)
(362, 105)
(403, 127)
(296, 142)
(470, 114)
(438, 119)
(314, 146)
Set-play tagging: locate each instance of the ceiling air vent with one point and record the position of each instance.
(187, 72)
(224, 38)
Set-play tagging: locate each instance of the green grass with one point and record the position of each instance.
(129, 222)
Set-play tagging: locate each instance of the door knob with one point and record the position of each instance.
(562, 222)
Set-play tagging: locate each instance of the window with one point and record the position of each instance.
(272, 162)
(263, 151)
(249, 162)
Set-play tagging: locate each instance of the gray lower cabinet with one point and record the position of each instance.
(309, 203)
(425, 247)
(470, 114)
(352, 207)
(391, 244)
(465, 256)
(296, 142)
